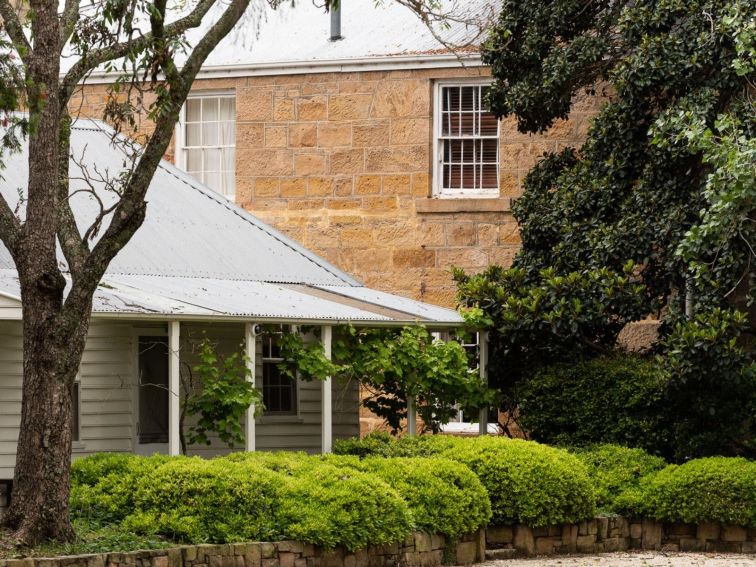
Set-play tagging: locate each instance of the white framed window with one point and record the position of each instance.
(206, 141)
(466, 148)
(280, 392)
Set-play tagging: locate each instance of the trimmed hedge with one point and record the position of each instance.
(714, 489)
(527, 482)
(443, 496)
(614, 469)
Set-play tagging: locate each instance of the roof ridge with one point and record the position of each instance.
(186, 179)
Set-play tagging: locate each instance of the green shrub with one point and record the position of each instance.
(195, 500)
(714, 489)
(614, 469)
(331, 506)
(443, 496)
(604, 400)
(90, 470)
(527, 482)
(383, 445)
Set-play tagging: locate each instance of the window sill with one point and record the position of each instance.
(463, 205)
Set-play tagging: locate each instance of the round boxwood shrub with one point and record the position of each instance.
(383, 445)
(527, 482)
(196, 500)
(614, 469)
(329, 506)
(713, 489)
(603, 400)
(443, 496)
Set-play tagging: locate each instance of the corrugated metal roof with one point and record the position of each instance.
(199, 256)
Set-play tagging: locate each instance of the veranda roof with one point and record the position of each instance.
(199, 256)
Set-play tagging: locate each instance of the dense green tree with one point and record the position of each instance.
(660, 196)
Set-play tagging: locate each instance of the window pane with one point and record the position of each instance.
(228, 109)
(193, 135)
(227, 133)
(212, 160)
(193, 110)
(210, 134)
(213, 180)
(210, 109)
(194, 161)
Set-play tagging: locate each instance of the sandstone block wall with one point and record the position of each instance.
(341, 162)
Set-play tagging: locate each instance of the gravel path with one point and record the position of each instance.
(634, 559)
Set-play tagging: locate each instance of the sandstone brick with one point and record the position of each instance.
(399, 99)
(523, 540)
(267, 162)
(300, 204)
(545, 545)
(414, 258)
(368, 185)
(379, 203)
(354, 236)
(303, 135)
(267, 187)
(501, 256)
(347, 161)
(275, 136)
(652, 534)
(733, 533)
(341, 204)
(394, 234)
(312, 108)
(407, 159)
(250, 134)
(320, 186)
(334, 134)
(466, 553)
(411, 131)
(460, 234)
(488, 234)
(254, 104)
(396, 185)
(349, 106)
(373, 133)
(309, 164)
(294, 187)
(283, 109)
(462, 258)
(343, 186)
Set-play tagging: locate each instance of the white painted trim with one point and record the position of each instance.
(483, 370)
(326, 408)
(377, 63)
(437, 174)
(174, 386)
(250, 350)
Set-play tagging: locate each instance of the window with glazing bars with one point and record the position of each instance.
(279, 390)
(209, 141)
(468, 137)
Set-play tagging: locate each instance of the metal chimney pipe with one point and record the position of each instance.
(336, 21)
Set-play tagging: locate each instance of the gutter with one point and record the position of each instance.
(378, 63)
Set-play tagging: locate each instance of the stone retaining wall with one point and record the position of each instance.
(618, 534)
(417, 550)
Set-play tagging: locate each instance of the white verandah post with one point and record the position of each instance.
(326, 408)
(174, 385)
(250, 350)
(483, 369)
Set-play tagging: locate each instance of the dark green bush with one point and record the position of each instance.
(443, 496)
(614, 469)
(604, 400)
(714, 489)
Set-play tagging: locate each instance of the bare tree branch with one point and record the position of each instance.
(68, 18)
(15, 30)
(93, 59)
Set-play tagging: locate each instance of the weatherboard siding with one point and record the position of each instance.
(106, 377)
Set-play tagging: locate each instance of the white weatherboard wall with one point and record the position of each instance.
(108, 376)
(106, 390)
